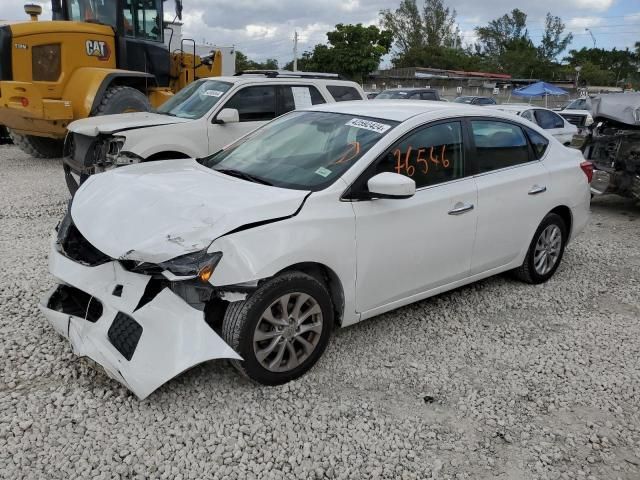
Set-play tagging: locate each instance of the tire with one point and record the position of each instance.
(38, 147)
(121, 100)
(245, 319)
(528, 271)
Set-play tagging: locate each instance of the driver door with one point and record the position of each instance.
(409, 246)
(256, 105)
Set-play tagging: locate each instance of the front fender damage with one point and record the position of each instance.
(140, 340)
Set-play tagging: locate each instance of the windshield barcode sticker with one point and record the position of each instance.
(323, 172)
(213, 93)
(368, 125)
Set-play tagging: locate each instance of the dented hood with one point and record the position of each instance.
(156, 211)
(93, 126)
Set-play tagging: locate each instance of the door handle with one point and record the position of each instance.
(536, 189)
(461, 208)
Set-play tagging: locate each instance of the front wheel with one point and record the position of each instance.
(282, 329)
(545, 251)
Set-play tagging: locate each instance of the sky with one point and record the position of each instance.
(264, 28)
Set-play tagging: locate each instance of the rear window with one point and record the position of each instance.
(342, 93)
(538, 143)
(498, 145)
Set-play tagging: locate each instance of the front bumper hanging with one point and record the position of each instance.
(108, 315)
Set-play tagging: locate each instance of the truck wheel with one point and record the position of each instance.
(38, 147)
(122, 100)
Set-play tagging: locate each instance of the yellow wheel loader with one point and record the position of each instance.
(96, 57)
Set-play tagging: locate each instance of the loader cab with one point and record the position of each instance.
(138, 28)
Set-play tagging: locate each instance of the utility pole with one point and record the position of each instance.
(295, 51)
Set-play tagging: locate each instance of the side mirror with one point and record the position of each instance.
(391, 185)
(227, 115)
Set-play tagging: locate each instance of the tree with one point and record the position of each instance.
(353, 51)
(436, 27)
(552, 44)
(502, 33)
(405, 25)
(605, 67)
(244, 63)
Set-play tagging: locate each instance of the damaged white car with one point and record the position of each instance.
(321, 218)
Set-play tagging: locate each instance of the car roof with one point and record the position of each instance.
(401, 110)
(409, 89)
(257, 78)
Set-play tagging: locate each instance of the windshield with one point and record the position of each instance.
(578, 104)
(102, 11)
(195, 100)
(393, 94)
(301, 150)
(463, 100)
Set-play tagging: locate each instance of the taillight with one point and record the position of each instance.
(587, 168)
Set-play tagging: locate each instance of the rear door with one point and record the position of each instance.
(512, 198)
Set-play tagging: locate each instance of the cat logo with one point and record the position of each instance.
(98, 48)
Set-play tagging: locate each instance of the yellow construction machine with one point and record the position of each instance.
(96, 57)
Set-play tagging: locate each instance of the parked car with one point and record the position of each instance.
(321, 218)
(545, 118)
(578, 113)
(197, 121)
(409, 94)
(471, 100)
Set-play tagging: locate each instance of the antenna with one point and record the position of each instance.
(592, 37)
(295, 51)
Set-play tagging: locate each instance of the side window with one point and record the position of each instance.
(548, 119)
(528, 115)
(486, 101)
(429, 96)
(429, 155)
(341, 93)
(142, 20)
(498, 145)
(298, 96)
(538, 143)
(255, 104)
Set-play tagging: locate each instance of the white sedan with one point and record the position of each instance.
(559, 127)
(322, 218)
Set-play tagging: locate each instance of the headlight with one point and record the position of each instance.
(588, 121)
(197, 264)
(112, 148)
(45, 62)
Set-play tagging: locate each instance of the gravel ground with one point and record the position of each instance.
(494, 380)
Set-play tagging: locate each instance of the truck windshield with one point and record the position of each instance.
(301, 150)
(195, 100)
(100, 11)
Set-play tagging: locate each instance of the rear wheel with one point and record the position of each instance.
(545, 251)
(281, 330)
(38, 147)
(122, 99)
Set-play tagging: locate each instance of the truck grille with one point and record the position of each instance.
(577, 120)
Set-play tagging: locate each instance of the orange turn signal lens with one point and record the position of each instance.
(24, 101)
(205, 273)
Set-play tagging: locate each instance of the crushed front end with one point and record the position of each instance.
(142, 328)
(85, 155)
(614, 151)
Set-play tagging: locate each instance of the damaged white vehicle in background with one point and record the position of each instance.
(321, 218)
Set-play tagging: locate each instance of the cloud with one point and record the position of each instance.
(580, 23)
